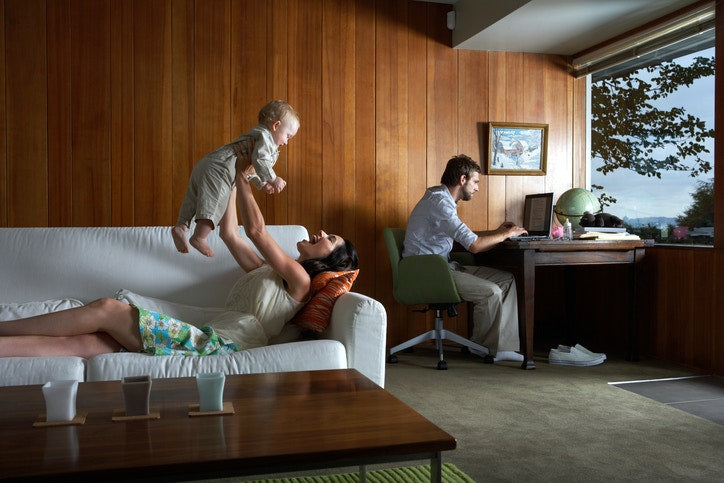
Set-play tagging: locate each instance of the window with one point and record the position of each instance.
(652, 141)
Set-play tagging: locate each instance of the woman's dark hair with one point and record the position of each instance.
(343, 257)
(457, 166)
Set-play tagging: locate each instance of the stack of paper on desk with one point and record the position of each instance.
(592, 234)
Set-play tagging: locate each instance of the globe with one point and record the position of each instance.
(573, 203)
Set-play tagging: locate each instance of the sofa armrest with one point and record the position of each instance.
(360, 324)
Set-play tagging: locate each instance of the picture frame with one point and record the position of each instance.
(517, 148)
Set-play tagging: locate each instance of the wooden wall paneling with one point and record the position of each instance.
(3, 125)
(472, 107)
(702, 311)
(289, 60)
(718, 330)
(535, 100)
(391, 171)
(442, 94)
(122, 114)
(212, 85)
(26, 112)
(515, 112)
(60, 152)
(579, 173)
(364, 236)
(249, 68)
(183, 106)
(90, 107)
(152, 114)
(338, 117)
(497, 82)
(559, 102)
(421, 167)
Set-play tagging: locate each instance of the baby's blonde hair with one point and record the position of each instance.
(276, 110)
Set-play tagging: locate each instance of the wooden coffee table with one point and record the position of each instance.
(281, 422)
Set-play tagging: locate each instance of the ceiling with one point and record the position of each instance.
(562, 27)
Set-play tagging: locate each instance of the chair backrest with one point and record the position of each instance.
(419, 279)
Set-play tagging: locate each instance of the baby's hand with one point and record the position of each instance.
(275, 186)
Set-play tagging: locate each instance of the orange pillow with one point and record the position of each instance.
(327, 287)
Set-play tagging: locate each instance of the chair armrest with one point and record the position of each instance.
(425, 279)
(463, 258)
(360, 324)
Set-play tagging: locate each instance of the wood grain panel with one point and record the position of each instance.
(420, 172)
(3, 125)
(152, 113)
(26, 111)
(391, 109)
(122, 119)
(183, 107)
(497, 102)
(285, 69)
(212, 89)
(90, 133)
(248, 57)
(472, 108)
(364, 236)
(338, 117)
(60, 162)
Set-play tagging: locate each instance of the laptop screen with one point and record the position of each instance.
(538, 214)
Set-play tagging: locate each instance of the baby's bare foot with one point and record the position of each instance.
(201, 245)
(178, 233)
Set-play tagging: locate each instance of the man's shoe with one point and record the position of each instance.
(566, 348)
(573, 357)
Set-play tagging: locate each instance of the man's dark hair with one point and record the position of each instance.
(457, 166)
(342, 258)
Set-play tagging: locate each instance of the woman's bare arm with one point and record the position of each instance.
(298, 281)
(240, 249)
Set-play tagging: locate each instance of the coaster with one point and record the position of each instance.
(228, 408)
(78, 420)
(120, 415)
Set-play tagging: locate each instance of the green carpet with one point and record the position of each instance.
(408, 474)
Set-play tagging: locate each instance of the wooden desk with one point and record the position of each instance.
(522, 258)
(282, 421)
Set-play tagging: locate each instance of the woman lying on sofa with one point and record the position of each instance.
(264, 299)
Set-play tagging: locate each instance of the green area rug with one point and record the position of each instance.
(408, 474)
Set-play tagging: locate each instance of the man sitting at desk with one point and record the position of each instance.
(431, 229)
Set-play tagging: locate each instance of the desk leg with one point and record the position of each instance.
(526, 307)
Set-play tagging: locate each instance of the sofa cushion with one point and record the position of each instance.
(327, 287)
(198, 316)
(28, 309)
(20, 371)
(295, 356)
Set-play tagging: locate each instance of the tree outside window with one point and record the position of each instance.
(652, 141)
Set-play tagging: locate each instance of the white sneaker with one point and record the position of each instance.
(566, 348)
(573, 357)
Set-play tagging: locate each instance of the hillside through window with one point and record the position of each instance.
(652, 142)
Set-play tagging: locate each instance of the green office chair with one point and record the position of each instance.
(424, 280)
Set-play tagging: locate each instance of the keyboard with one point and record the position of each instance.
(528, 238)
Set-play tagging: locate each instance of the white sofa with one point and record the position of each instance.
(71, 266)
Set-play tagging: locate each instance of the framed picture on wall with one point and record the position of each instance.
(517, 148)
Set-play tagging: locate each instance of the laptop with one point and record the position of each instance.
(537, 217)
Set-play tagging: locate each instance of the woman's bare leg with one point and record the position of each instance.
(86, 345)
(109, 316)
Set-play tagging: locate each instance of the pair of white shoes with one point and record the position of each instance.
(575, 356)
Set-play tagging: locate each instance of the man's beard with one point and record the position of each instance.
(466, 196)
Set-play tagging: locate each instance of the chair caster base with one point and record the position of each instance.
(488, 359)
(442, 366)
(392, 359)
